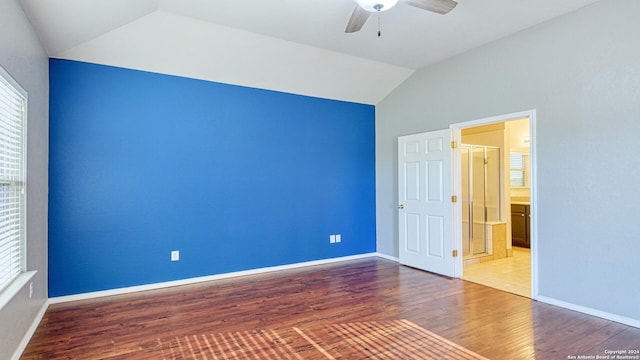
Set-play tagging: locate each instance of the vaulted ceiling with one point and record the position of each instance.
(296, 46)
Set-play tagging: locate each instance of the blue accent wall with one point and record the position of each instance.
(235, 178)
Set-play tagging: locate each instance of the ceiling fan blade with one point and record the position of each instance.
(436, 6)
(357, 20)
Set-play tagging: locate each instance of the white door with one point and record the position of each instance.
(425, 209)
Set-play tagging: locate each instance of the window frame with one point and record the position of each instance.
(524, 170)
(16, 282)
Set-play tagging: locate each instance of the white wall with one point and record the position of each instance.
(581, 72)
(171, 44)
(24, 58)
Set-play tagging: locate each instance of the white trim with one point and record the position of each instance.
(457, 211)
(589, 311)
(388, 257)
(17, 282)
(15, 287)
(13, 82)
(456, 208)
(533, 200)
(132, 289)
(493, 119)
(32, 330)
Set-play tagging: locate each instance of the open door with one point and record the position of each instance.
(425, 209)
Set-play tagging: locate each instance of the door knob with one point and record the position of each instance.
(400, 206)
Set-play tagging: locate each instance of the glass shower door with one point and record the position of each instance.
(480, 196)
(466, 201)
(492, 189)
(478, 241)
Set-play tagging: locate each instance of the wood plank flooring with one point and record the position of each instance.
(489, 322)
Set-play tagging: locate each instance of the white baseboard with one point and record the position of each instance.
(388, 257)
(131, 289)
(32, 330)
(589, 311)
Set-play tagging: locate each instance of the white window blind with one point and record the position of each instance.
(518, 169)
(13, 104)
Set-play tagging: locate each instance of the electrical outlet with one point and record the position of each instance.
(175, 255)
(30, 290)
(332, 239)
(338, 238)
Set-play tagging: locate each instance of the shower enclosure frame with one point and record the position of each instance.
(469, 199)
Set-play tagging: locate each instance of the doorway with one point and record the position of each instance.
(429, 214)
(497, 251)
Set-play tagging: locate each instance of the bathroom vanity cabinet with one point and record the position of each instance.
(520, 219)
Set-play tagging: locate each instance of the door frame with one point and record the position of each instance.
(456, 173)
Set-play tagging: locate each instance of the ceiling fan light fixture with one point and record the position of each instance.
(376, 5)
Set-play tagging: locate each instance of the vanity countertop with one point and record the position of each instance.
(521, 202)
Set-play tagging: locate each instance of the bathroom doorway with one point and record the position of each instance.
(494, 173)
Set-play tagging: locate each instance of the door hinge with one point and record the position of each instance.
(454, 199)
(454, 145)
(454, 253)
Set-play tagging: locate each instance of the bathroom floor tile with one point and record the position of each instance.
(511, 274)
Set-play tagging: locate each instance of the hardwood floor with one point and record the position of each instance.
(489, 322)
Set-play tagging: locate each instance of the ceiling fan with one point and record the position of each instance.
(364, 8)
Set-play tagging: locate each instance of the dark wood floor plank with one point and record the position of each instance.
(492, 323)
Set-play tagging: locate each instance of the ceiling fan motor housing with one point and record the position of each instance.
(376, 5)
